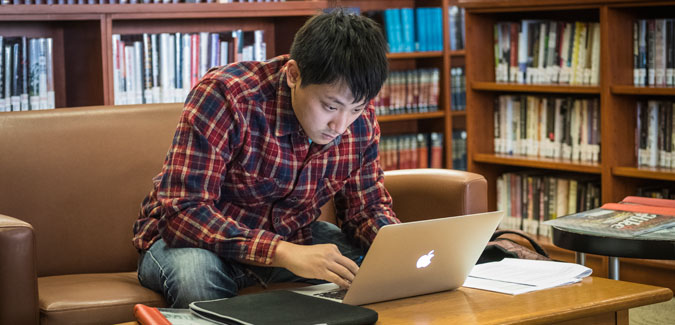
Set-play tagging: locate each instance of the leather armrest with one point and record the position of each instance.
(428, 193)
(18, 275)
(422, 194)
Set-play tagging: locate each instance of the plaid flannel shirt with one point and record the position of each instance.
(241, 175)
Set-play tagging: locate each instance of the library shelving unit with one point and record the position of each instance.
(445, 119)
(618, 170)
(82, 50)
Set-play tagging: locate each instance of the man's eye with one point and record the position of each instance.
(330, 108)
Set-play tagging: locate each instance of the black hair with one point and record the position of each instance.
(341, 46)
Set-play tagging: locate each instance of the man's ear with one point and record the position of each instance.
(292, 74)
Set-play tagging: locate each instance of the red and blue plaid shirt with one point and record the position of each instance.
(241, 175)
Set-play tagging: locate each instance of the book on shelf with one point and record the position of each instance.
(654, 52)
(26, 74)
(459, 158)
(409, 91)
(632, 217)
(457, 89)
(654, 133)
(532, 197)
(456, 23)
(656, 192)
(547, 52)
(548, 127)
(406, 151)
(163, 68)
(411, 29)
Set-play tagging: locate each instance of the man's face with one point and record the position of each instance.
(325, 111)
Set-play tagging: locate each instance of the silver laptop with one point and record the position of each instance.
(415, 258)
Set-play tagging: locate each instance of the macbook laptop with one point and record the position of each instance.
(415, 258)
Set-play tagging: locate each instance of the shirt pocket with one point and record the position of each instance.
(250, 189)
(329, 187)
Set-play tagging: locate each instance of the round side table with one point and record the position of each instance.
(613, 247)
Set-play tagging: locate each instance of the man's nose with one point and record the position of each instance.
(339, 123)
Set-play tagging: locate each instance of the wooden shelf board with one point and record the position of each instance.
(636, 90)
(415, 116)
(541, 163)
(458, 113)
(415, 55)
(503, 5)
(512, 87)
(457, 53)
(189, 10)
(665, 174)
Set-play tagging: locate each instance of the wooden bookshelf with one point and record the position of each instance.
(662, 174)
(82, 49)
(642, 91)
(539, 163)
(618, 171)
(407, 117)
(414, 55)
(519, 88)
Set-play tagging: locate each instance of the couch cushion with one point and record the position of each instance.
(78, 176)
(105, 298)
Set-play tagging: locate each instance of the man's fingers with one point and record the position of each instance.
(341, 282)
(341, 271)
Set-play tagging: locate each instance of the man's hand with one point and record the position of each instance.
(324, 262)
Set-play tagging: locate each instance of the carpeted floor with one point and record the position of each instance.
(656, 314)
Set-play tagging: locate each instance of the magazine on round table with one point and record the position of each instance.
(645, 218)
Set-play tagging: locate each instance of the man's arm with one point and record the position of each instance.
(363, 204)
(324, 262)
(209, 134)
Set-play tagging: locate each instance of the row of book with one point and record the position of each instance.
(655, 134)
(531, 197)
(163, 68)
(657, 192)
(96, 2)
(457, 89)
(406, 151)
(413, 29)
(654, 52)
(547, 126)
(409, 91)
(459, 159)
(457, 32)
(26, 74)
(547, 51)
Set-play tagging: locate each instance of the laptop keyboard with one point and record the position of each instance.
(333, 294)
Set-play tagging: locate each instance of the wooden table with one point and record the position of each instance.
(592, 301)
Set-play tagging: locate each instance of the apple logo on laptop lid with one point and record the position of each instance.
(425, 260)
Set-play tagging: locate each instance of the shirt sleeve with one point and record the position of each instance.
(207, 137)
(363, 204)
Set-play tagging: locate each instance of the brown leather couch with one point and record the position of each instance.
(71, 184)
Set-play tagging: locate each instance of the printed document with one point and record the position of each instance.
(515, 276)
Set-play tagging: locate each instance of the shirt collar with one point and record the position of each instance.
(287, 123)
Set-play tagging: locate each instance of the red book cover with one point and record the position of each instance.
(514, 49)
(146, 315)
(665, 203)
(436, 157)
(422, 157)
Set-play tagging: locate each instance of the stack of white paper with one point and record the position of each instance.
(516, 276)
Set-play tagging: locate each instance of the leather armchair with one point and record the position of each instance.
(72, 184)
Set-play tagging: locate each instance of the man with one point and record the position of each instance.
(259, 148)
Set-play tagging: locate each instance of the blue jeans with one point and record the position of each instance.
(184, 275)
